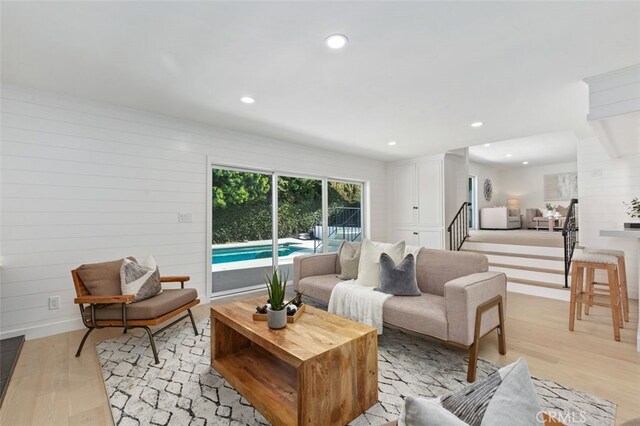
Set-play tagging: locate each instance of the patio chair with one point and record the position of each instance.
(107, 308)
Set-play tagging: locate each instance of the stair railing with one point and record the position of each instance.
(459, 228)
(570, 236)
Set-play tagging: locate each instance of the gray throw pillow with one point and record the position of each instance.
(349, 256)
(400, 279)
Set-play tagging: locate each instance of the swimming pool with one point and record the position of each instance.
(262, 251)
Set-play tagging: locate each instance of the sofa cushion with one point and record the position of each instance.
(398, 279)
(102, 279)
(151, 308)
(424, 314)
(349, 257)
(434, 268)
(369, 267)
(319, 286)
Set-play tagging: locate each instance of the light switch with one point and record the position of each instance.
(185, 217)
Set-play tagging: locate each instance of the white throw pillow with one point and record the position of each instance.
(369, 267)
(426, 412)
(140, 279)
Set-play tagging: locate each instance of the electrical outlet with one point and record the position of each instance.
(54, 302)
(185, 217)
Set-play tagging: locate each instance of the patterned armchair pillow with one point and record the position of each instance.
(506, 397)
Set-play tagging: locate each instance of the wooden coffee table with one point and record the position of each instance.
(320, 370)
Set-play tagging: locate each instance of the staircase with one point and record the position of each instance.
(530, 269)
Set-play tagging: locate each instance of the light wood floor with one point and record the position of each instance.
(52, 387)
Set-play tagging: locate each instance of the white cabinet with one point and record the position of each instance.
(417, 194)
(420, 205)
(430, 238)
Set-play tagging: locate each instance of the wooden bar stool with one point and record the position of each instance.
(622, 276)
(586, 264)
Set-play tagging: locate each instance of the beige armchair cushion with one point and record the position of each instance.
(154, 307)
(102, 279)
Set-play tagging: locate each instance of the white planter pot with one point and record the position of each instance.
(277, 319)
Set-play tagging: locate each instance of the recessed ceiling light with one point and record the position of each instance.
(477, 124)
(247, 100)
(525, 162)
(392, 143)
(508, 155)
(336, 41)
(487, 144)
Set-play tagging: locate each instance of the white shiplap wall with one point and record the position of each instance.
(604, 184)
(84, 182)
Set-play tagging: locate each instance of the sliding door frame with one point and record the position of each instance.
(275, 175)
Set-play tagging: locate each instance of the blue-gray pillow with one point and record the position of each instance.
(400, 279)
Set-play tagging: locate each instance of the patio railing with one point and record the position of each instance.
(345, 223)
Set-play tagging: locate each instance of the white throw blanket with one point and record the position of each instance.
(358, 303)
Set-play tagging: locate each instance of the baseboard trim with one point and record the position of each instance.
(44, 330)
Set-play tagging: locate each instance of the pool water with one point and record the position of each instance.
(236, 254)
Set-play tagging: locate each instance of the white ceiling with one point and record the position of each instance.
(539, 150)
(415, 72)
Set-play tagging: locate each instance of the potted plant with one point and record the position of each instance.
(277, 308)
(549, 208)
(633, 212)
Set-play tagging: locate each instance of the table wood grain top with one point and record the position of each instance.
(313, 334)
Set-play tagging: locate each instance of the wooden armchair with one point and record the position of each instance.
(118, 311)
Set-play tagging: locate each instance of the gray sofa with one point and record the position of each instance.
(461, 300)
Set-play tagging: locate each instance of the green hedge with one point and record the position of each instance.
(252, 222)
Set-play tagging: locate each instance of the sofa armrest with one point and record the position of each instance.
(313, 264)
(462, 297)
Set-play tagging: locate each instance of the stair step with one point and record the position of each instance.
(537, 283)
(550, 276)
(527, 268)
(514, 249)
(523, 255)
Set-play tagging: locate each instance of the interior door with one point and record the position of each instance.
(430, 193)
(404, 189)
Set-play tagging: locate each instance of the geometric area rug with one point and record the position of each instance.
(184, 390)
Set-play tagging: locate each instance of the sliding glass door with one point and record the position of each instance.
(299, 212)
(345, 213)
(308, 215)
(242, 229)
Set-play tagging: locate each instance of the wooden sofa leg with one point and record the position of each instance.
(502, 340)
(153, 344)
(475, 346)
(84, 339)
(473, 362)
